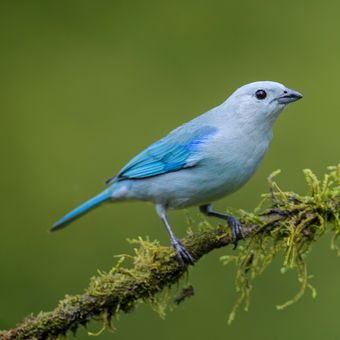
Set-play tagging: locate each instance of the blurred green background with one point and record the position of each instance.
(86, 85)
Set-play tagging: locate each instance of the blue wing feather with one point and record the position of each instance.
(171, 153)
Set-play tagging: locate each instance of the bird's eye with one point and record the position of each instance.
(261, 94)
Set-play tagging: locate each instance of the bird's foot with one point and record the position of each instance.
(182, 253)
(236, 230)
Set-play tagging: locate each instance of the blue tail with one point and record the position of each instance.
(83, 209)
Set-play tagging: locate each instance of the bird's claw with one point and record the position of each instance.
(182, 253)
(236, 230)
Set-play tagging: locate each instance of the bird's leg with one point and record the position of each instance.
(182, 253)
(235, 225)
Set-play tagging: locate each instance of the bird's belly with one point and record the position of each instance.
(206, 189)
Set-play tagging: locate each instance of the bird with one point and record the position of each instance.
(201, 161)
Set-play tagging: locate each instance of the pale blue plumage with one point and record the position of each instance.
(202, 160)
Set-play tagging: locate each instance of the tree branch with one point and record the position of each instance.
(291, 224)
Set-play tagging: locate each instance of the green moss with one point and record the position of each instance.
(290, 225)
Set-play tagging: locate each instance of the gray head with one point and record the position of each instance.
(261, 101)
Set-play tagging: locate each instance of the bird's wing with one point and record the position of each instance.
(176, 151)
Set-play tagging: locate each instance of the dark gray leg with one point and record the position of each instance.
(235, 225)
(183, 255)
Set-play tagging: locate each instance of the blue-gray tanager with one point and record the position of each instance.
(201, 161)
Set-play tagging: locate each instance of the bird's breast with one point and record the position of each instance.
(234, 158)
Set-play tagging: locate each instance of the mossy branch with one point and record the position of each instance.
(290, 224)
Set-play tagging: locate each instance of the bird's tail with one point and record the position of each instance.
(81, 210)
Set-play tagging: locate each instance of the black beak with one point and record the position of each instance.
(289, 96)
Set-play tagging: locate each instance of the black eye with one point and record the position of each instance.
(260, 94)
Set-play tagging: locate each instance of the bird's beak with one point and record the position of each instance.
(289, 96)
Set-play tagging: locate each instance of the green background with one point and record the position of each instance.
(85, 85)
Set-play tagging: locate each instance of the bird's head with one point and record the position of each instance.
(261, 101)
